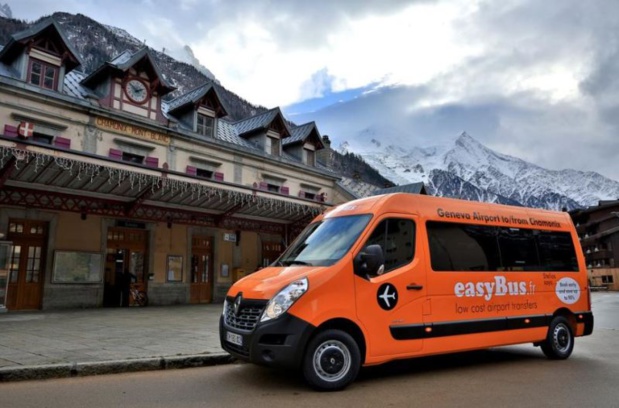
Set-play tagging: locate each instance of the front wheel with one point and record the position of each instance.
(560, 340)
(332, 360)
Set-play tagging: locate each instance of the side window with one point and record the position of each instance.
(462, 247)
(518, 252)
(465, 247)
(397, 239)
(556, 251)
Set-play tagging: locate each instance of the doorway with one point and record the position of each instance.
(27, 264)
(270, 252)
(127, 250)
(201, 287)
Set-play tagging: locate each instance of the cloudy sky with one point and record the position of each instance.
(534, 79)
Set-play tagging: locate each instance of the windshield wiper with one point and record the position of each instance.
(288, 263)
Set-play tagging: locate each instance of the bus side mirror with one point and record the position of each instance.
(369, 262)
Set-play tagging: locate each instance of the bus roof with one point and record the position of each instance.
(454, 210)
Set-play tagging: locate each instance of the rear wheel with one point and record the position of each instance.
(332, 360)
(560, 340)
(142, 298)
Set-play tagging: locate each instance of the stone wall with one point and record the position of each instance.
(161, 294)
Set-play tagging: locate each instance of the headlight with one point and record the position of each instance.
(284, 299)
(223, 312)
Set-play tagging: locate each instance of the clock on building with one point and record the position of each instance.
(136, 91)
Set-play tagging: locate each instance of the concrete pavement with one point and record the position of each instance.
(67, 343)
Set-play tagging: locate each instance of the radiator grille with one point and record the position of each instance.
(248, 315)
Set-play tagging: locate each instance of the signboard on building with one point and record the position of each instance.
(131, 130)
(230, 237)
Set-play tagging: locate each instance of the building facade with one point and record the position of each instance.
(598, 229)
(102, 175)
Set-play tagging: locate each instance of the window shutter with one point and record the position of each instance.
(152, 161)
(301, 194)
(218, 176)
(62, 142)
(285, 190)
(10, 131)
(116, 154)
(191, 170)
(263, 185)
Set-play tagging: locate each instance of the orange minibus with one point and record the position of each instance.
(404, 275)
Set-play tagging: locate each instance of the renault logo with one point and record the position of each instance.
(237, 303)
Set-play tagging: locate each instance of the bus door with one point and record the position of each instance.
(390, 303)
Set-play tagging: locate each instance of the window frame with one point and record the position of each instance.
(202, 127)
(205, 173)
(132, 158)
(273, 146)
(42, 75)
(310, 157)
(413, 243)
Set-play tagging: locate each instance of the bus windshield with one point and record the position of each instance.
(325, 242)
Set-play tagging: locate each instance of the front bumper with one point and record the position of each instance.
(278, 343)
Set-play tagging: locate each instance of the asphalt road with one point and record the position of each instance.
(518, 376)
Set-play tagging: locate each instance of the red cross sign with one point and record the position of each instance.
(25, 129)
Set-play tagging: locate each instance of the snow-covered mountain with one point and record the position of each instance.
(465, 168)
(186, 55)
(5, 11)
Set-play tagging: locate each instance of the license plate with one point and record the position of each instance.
(234, 338)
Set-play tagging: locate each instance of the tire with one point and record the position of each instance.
(332, 360)
(141, 299)
(559, 342)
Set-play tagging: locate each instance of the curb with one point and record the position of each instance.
(67, 370)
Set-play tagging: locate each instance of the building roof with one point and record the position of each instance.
(357, 188)
(196, 95)
(73, 85)
(413, 188)
(603, 205)
(301, 133)
(123, 62)
(261, 122)
(19, 41)
(227, 131)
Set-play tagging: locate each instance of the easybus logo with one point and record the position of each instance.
(500, 287)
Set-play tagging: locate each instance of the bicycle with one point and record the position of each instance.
(137, 297)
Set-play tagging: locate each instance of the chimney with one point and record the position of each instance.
(325, 155)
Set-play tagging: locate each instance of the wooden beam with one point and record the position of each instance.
(132, 206)
(221, 217)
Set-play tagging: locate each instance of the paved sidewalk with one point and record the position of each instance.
(65, 343)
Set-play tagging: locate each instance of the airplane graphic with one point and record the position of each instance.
(386, 296)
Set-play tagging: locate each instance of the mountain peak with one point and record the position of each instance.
(465, 135)
(467, 140)
(5, 11)
(465, 168)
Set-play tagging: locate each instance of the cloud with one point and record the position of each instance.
(270, 53)
(318, 85)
